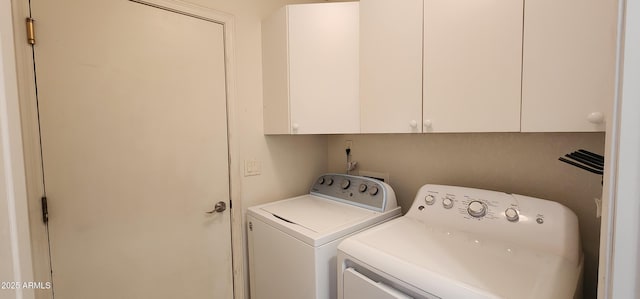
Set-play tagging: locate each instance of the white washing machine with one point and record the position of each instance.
(293, 242)
(467, 243)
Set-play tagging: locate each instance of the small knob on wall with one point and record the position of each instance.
(595, 118)
(413, 124)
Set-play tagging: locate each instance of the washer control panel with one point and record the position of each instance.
(491, 216)
(356, 190)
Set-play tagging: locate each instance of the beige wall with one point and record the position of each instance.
(522, 163)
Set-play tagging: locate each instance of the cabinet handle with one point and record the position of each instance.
(413, 124)
(427, 123)
(595, 118)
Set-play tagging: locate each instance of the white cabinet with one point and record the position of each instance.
(472, 65)
(440, 66)
(568, 65)
(391, 66)
(310, 69)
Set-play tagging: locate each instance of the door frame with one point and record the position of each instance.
(619, 269)
(15, 251)
(31, 134)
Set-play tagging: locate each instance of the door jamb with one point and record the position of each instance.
(31, 145)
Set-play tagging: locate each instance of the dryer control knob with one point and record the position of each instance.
(430, 199)
(512, 214)
(345, 184)
(373, 190)
(477, 209)
(447, 203)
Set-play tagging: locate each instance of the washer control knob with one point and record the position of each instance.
(430, 199)
(345, 184)
(362, 187)
(477, 209)
(329, 181)
(512, 214)
(373, 190)
(321, 181)
(447, 203)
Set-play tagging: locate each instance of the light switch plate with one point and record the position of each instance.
(252, 167)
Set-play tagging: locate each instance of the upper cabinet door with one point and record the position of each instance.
(310, 69)
(472, 65)
(391, 66)
(568, 65)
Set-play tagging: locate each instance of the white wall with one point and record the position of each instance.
(522, 163)
(15, 251)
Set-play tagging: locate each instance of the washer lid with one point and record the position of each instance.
(455, 264)
(316, 220)
(317, 214)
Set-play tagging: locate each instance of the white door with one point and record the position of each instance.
(132, 107)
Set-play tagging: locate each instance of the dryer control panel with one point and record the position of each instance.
(498, 216)
(356, 190)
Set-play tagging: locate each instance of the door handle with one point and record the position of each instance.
(218, 208)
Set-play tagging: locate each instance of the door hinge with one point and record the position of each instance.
(45, 210)
(31, 33)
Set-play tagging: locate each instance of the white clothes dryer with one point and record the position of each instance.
(293, 242)
(467, 243)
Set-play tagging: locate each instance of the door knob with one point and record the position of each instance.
(218, 208)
